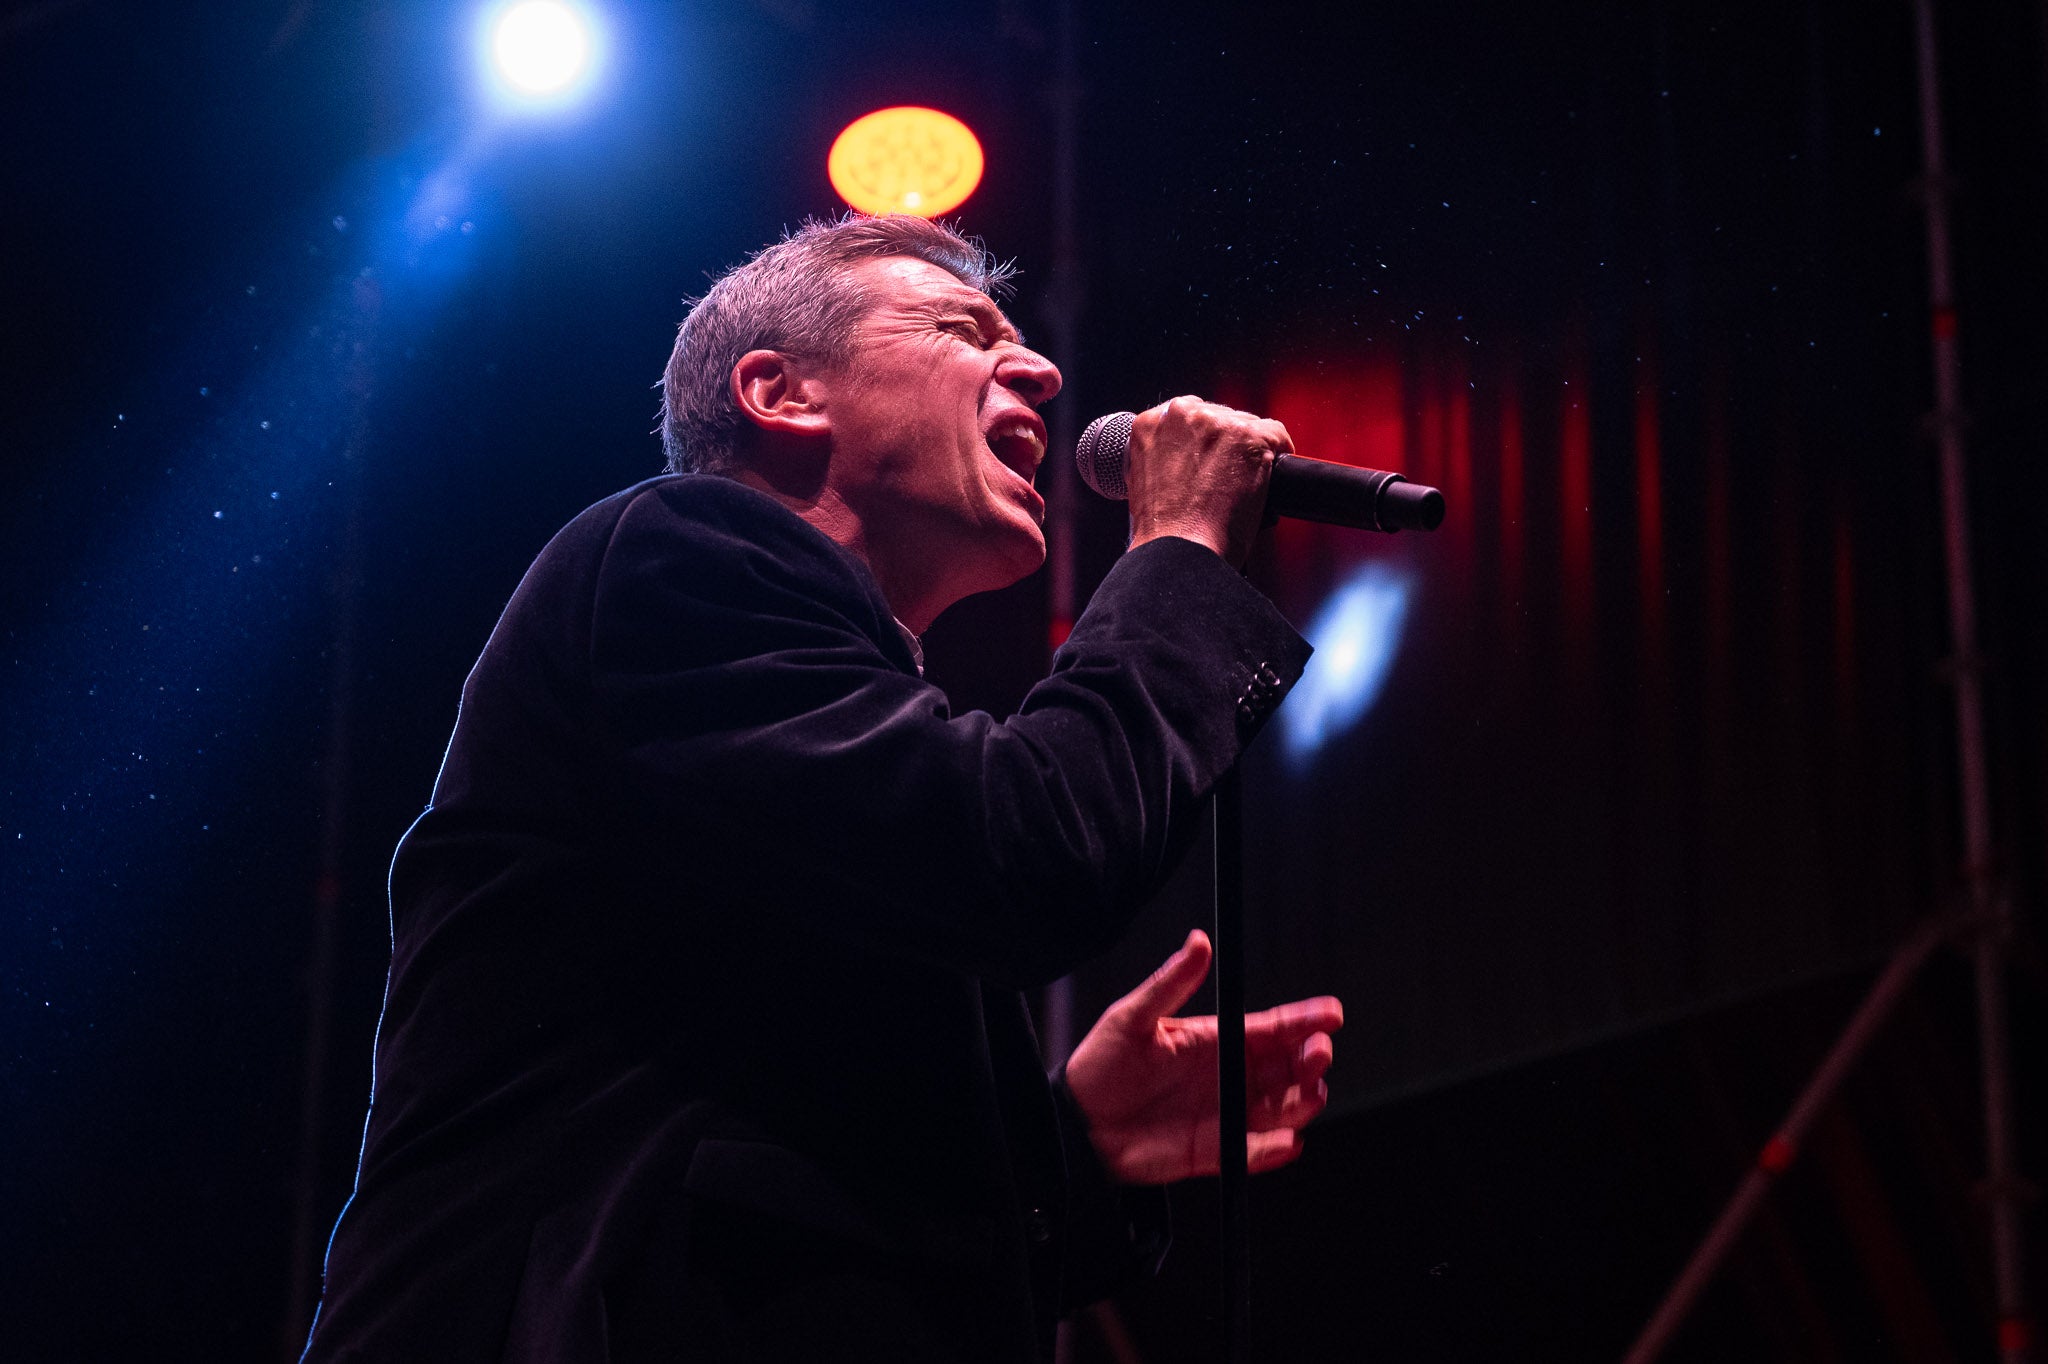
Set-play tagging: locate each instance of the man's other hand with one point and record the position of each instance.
(1199, 470)
(1146, 1081)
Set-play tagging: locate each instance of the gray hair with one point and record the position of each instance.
(794, 297)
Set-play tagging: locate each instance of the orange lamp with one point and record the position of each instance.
(905, 160)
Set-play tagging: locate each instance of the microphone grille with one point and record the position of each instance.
(1100, 454)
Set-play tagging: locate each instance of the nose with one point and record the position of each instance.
(1028, 374)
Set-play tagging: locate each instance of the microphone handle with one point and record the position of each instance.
(1340, 495)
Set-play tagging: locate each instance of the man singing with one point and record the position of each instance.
(703, 1038)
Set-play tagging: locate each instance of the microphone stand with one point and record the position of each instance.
(1233, 1224)
(1336, 503)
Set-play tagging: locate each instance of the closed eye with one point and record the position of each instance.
(984, 325)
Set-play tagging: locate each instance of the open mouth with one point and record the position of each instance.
(1019, 444)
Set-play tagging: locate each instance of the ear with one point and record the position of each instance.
(779, 394)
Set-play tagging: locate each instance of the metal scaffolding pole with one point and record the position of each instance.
(1966, 675)
(1987, 916)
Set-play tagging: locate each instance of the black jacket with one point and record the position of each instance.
(719, 916)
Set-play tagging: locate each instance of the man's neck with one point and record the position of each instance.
(841, 524)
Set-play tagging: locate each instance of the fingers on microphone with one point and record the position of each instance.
(1275, 436)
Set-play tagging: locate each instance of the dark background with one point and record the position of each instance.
(304, 354)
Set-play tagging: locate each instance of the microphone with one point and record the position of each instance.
(1306, 489)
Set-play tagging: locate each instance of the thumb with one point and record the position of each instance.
(1171, 986)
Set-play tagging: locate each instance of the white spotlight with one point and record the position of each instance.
(541, 49)
(1356, 635)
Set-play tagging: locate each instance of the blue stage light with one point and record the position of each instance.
(1356, 635)
(541, 53)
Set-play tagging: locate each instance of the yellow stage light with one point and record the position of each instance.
(905, 160)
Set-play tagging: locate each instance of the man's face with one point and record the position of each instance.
(934, 440)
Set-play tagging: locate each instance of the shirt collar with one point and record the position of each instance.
(916, 645)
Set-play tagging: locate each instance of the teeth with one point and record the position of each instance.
(1016, 430)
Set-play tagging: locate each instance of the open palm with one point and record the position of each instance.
(1146, 1080)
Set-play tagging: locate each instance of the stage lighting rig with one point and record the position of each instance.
(905, 160)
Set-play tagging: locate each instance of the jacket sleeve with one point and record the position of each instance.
(748, 701)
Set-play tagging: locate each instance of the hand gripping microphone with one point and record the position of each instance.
(1306, 489)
